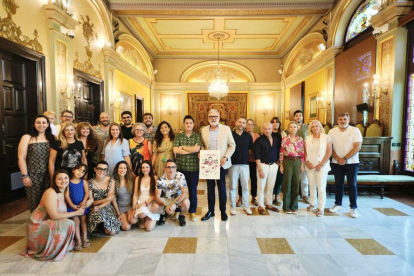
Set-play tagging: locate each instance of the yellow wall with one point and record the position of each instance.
(127, 85)
(314, 83)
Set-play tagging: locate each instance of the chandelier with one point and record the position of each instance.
(218, 87)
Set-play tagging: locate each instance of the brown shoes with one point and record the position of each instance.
(262, 211)
(239, 202)
(272, 208)
(254, 202)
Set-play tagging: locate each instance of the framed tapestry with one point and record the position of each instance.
(230, 107)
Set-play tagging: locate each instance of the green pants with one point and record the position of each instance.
(291, 183)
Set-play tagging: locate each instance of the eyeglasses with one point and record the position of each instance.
(127, 117)
(213, 117)
(139, 130)
(101, 169)
(171, 167)
(67, 116)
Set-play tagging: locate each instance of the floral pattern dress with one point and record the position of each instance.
(49, 239)
(164, 152)
(105, 215)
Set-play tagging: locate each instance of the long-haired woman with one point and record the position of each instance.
(33, 158)
(163, 147)
(279, 134)
(67, 151)
(116, 148)
(144, 192)
(90, 142)
(124, 188)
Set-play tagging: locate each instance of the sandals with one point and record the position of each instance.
(310, 208)
(272, 208)
(77, 247)
(86, 243)
(319, 213)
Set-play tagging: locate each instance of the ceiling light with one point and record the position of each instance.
(218, 87)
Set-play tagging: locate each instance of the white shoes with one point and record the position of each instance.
(353, 213)
(247, 210)
(232, 210)
(335, 209)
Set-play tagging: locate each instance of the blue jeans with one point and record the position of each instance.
(351, 172)
(211, 192)
(192, 183)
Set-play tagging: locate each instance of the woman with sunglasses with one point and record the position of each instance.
(102, 211)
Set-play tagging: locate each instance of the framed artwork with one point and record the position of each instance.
(313, 106)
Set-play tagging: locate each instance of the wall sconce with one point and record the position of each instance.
(169, 110)
(71, 91)
(281, 69)
(265, 111)
(379, 86)
(117, 101)
(323, 102)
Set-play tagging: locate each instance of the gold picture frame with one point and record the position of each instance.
(313, 106)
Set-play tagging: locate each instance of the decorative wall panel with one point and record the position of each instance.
(231, 108)
(386, 68)
(170, 109)
(61, 50)
(264, 108)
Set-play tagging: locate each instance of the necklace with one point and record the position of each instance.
(137, 141)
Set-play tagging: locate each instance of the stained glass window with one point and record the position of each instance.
(409, 144)
(360, 20)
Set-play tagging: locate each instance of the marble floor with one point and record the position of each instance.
(379, 242)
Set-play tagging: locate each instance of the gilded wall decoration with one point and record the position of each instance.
(264, 108)
(304, 57)
(111, 91)
(170, 109)
(61, 49)
(89, 34)
(231, 107)
(386, 67)
(10, 31)
(329, 94)
(133, 57)
(210, 74)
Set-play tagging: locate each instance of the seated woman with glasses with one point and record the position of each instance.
(141, 148)
(102, 211)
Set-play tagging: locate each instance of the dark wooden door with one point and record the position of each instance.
(139, 108)
(18, 89)
(89, 105)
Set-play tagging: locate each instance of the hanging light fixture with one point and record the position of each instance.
(218, 87)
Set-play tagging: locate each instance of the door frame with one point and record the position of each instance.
(95, 80)
(136, 108)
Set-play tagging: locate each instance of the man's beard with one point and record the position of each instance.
(104, 123)
(148, 124)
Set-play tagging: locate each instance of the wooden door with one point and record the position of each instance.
(18, 89)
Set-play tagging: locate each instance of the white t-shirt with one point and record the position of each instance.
(343, 142)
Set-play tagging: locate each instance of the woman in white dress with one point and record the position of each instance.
(143, 198)
(318, 150)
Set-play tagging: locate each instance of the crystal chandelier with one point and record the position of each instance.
(218, 87)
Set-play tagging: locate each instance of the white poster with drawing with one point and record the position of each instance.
(209, 164)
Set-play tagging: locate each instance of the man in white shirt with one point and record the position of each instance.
(346, 144)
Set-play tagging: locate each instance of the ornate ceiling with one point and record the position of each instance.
(258, 29)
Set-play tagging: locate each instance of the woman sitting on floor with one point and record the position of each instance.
(50, 232)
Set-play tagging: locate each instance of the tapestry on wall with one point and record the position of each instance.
(231, 108)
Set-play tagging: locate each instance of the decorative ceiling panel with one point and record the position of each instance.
(174, 29)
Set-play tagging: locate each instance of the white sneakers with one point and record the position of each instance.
(247, 210)
(335, 209)
(353, 213)
(232, 210)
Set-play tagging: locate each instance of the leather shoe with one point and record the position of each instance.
(207, 216)
(262, 211)
(224, 216)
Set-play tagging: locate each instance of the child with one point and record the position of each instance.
(51, 115)
(76, 196)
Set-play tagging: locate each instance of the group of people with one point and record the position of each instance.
(78, 177)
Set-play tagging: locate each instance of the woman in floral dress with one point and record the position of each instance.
(102, 211)
(163, 147)
(50, 232)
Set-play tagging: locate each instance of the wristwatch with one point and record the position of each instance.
(346, 159)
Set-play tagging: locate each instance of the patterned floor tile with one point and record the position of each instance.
(390, 212)
(201, 192)
(181, 246)
(274, 246)
(255, 212)
(6, 241)
(369, 247)
(96, 244)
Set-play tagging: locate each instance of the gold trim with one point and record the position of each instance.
(87, 67)
(10, 31)
(220, 12)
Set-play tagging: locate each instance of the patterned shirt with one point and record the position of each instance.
(292, 149)
(171, 189)
(150, 135)
(102, 136)
(187, 162)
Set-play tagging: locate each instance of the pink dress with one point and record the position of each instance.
(49, 239)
